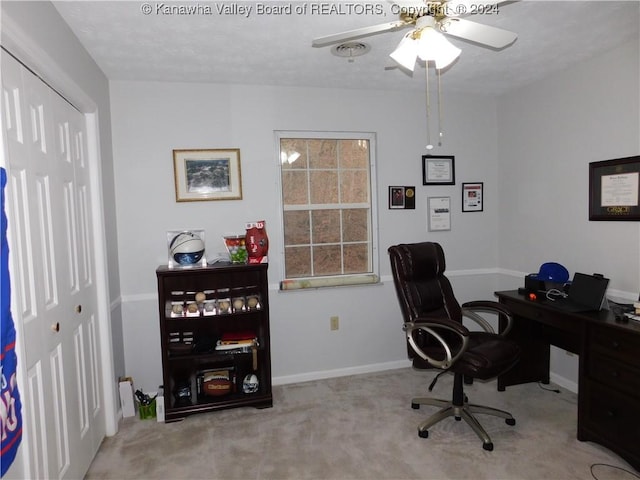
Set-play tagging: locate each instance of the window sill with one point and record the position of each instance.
(326, 282)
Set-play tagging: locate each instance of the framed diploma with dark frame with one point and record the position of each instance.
(438, 170)
(614, 189)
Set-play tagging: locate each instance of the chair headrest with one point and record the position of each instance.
(419, 261)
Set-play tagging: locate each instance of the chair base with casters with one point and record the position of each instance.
(460, 408)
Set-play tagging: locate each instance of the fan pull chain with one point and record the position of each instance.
(429, 144)
(440, 134)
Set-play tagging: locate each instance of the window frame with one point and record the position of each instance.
(345, 279)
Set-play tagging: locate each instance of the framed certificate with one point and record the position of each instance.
(472, 197)
(438, 170)
(439, 209)
(614, 189)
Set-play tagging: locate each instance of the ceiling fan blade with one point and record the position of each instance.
(360, 32)
(478, 33)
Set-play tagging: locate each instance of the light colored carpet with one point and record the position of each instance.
(362, 427)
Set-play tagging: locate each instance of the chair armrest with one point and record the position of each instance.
(471, 309)
(432, 329)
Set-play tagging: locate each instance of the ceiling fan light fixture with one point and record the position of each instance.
(434, 47)
(406, 53)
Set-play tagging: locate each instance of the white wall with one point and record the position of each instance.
(151, 119)
(548, 134)
(531, 148)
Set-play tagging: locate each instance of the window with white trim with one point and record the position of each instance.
(329, 219)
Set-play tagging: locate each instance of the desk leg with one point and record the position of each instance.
(534, 360)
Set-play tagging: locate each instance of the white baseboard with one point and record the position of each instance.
(381, 367)
(340, 372)
(564, 382)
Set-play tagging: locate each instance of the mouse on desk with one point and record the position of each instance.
(622, 318)
(619, 314)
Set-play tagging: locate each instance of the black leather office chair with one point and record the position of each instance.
(437, 339)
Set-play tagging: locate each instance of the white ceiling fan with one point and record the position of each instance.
(430, 19)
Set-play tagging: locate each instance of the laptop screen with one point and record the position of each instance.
(588, 290)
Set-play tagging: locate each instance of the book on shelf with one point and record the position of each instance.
(239, 342)
(236, 346)
(238, 335)
(240, 345)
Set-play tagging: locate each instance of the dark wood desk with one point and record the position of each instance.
(609, 372)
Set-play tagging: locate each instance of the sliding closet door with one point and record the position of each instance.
(48, 203)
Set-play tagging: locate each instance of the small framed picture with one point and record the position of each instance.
(202, 175)
(438, 170)
(472, 197)
(402, 198)
(439, 213)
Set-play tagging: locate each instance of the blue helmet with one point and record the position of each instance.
(552, 272)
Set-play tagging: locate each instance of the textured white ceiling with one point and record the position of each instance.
(275, 49)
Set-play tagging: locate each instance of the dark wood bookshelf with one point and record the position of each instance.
(230, 299)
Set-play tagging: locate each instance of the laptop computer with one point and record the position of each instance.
(586, 293)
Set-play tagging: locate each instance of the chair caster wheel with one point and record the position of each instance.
(488, 446)
(423, 433)
(510, 421)
(415, 406)
(458, 419)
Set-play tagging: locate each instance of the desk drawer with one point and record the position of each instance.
(618, 344)
(611, 415)
(556, 328)
(534, 311)
(616, 374)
